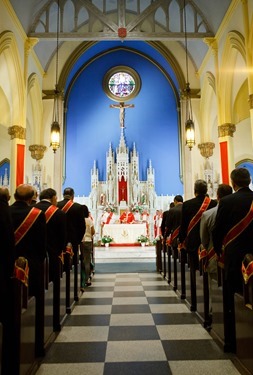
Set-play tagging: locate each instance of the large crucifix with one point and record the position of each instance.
(121, 106)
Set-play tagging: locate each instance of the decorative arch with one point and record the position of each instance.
(240, 110)
(234, 44)
(9, 49)
(207, 103)
(5, 109)
(34, 99)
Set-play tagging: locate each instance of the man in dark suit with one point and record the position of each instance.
(171, 229)
(75, 230)
(173, 217)
(30, 242)
(232, 238)
(56, 223)
(10, 345)
(232, 209)
(7, 249)
(164, 218)
(189, 236)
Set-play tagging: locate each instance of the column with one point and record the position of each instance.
(225, 133)
(249, 59)
(18, 136)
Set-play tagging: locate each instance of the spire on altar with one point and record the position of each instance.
(123, 186)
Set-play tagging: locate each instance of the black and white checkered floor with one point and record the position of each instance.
(134, 323)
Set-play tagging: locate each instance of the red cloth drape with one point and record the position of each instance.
(20, 164)
(122, 190)
(224, 162)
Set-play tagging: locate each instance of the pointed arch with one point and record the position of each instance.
(35, 108)
(234, 45)
(207, 104)
(9, 49)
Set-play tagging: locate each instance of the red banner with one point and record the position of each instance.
(122, 190)
(20, 164)
(224, 162)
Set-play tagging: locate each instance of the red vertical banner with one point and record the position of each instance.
(122, 190)
(224, 162)
(20, 164)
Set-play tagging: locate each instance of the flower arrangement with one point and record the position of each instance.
(106, 239)
(157, 239)
(111, 207)
(142, 239)
(137, 208)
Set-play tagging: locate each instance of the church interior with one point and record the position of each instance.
(181, 110)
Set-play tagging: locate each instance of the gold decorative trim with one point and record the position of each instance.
(37, 151)
(17, 131)
(251, 101)
(227, 129)
(50, 94)
(30, 43)
(206, 149)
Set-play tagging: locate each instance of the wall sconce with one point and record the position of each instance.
(55, 127)
(189, 124)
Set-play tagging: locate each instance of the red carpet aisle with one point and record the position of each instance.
(134, 324)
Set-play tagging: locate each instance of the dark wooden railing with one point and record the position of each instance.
(231, 321)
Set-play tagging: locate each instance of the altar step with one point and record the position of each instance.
(122, 254)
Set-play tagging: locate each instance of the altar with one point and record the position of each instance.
(125, 233)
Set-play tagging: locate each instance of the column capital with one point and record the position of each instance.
(17, 131)
(226, 129)
(251, 101)
(29, 44)
(206, 149)
(212, 43)
(37, 151)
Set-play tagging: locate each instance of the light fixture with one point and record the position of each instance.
(55, 127)
(189, 124)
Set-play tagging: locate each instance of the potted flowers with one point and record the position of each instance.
(106, 240)
(142, 240)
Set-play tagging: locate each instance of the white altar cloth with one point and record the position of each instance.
(125, 233)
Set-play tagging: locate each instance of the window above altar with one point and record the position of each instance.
(121, 83)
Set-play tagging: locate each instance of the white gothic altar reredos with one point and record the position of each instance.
(123, 187)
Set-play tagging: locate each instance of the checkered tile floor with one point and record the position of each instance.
(133, 324)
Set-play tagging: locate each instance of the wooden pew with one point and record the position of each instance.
(158, 247)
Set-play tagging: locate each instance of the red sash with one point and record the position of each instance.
(235, 232)
(50, 211)
(69, 250)
(198, 215)
(27, 223)
(109, 218)
(175, 233)
(67, 206)
(247, 272)
(202, 253)
(173, 236)
(195, 220)
(206, 256)
(21, 270)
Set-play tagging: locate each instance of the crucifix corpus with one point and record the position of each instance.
(121, 106)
